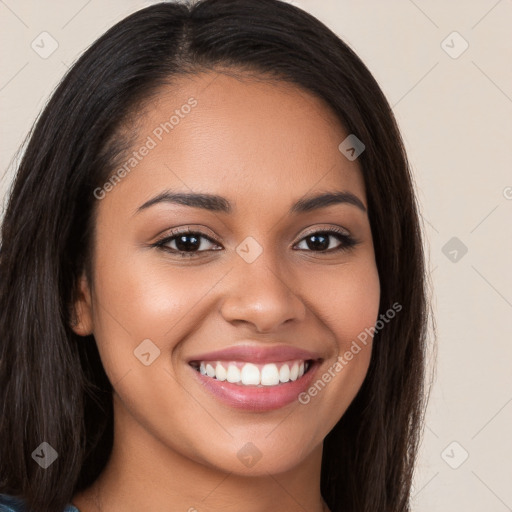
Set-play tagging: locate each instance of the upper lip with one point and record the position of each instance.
(256, 354)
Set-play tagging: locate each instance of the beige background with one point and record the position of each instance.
(456, 118)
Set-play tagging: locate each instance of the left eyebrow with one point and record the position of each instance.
(326, 199)
(216, 203)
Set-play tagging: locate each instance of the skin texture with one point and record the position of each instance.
(262, 145)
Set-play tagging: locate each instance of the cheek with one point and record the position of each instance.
(137, 302)
(347, 303)
(347, 300)
(149, 299)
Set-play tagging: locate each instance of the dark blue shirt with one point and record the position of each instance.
(12, 504)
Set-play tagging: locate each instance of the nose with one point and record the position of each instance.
(262, 295)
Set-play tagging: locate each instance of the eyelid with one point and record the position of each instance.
(190, 228)
(317, 229)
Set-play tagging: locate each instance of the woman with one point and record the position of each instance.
(213, 288)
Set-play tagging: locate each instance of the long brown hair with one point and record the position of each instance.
(52, 384)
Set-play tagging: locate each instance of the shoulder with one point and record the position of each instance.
(13, 504)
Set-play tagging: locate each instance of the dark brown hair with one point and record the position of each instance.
(53, 387)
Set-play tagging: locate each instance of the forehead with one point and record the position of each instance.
(251, 140)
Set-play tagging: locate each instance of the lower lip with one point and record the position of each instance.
(258, 399)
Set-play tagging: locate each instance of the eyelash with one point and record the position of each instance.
(348, 242)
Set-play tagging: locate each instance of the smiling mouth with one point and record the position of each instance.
(253, 374)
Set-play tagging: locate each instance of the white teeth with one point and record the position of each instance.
(210, 370)
(233, 374)
(270, 375)
(220, 372)
(284, 373)
(294, 372)
(250, 374)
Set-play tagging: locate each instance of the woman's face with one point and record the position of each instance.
(261, 290)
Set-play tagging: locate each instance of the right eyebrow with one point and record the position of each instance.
(210, 202)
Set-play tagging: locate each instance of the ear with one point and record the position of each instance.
(81, 313)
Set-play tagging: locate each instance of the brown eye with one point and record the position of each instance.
(320, 241)
(186, 243)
